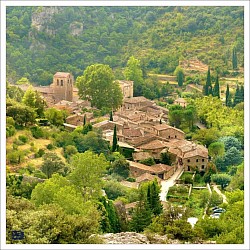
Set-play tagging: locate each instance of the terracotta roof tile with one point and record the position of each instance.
(137, 99)
(147, 177)
(155, 144)
(61, 74)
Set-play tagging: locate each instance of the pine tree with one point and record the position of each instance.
(111, 116)
(216, 91)
(114, 145)
(228, 98)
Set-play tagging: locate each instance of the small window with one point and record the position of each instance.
(203, 166)
(175, 136)
(57, 82)
(61, 82)
(188, 160)
(197, 160)
(169, 136)
(203, 160)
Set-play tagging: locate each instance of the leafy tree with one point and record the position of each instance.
(22, 114)
(52, 164)
(14, 92)
(34, 100)
(69, 151)
(237, 181)
(98, 86)
(87, 170)
(232, 157)
(216, 149)
(221, 179)
(230, 141)
(133, 72)
(55, 116)
(179, 72)
(114, 189)
(216, 90)
(114, 144)
(206, 136)
(175, 117)
(121, 167)
(149, 161)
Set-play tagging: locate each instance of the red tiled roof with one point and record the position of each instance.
(165, 127)
(131, 132)
(147, 177)
(199, 151)
(155, 144)
(161, 168)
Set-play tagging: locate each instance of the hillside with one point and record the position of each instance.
(43, 40)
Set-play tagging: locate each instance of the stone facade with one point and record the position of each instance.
(168, 132)
(127, 88)
(63, 86)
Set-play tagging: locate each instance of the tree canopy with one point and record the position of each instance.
(98, 86)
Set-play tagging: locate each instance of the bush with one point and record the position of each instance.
(148, 161)
(50, 146)
(37, 132)
(39, 153)
(23, 138)
(39, 174)
(18, 142)
(10, 131)
(15, 157)
(130, 179)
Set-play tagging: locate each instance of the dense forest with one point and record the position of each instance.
(44, 40)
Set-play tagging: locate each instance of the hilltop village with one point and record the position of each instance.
(142, 129)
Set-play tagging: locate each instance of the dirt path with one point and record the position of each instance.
(165, 185)
(217, 190)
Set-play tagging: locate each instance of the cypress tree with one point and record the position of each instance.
(242, 93)
(111, 116)
(114, 145)
(234, 59)
(216, 91)
(142, 215)
(237, 96)
(155, 203)
(84, 120)
(228, 99)
(207, 89)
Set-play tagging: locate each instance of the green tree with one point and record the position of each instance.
(207, 89)
(216, 149)
(153, 198)
(121, 167)
(216, 90)
(22, 114)
(114, 144)
(228, 97)
(86, 128)
(98, 86)
(34, 100)
(111, 116)
(238, 97)
(133, 72)
(55, 116)
(53, 164)
(142, 215)
(234, 58)
(87, 170)
(179, 72)
(221, 179)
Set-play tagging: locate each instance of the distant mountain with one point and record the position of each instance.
(43, 40)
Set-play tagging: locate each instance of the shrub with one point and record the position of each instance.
(18, 142)
(39, 153)
(23, 138)
(37, 132)
(39, 174)
(130, 179)
(15, 156)
(50, 146)
(10, 131)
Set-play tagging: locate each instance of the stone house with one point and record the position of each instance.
(181, 101)
(154, 147)
(135, 103)
(189, 155)
(127, 88)
(168, 132)
(141, 155)
(161, 171)
(147, 177)
(78, 119)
